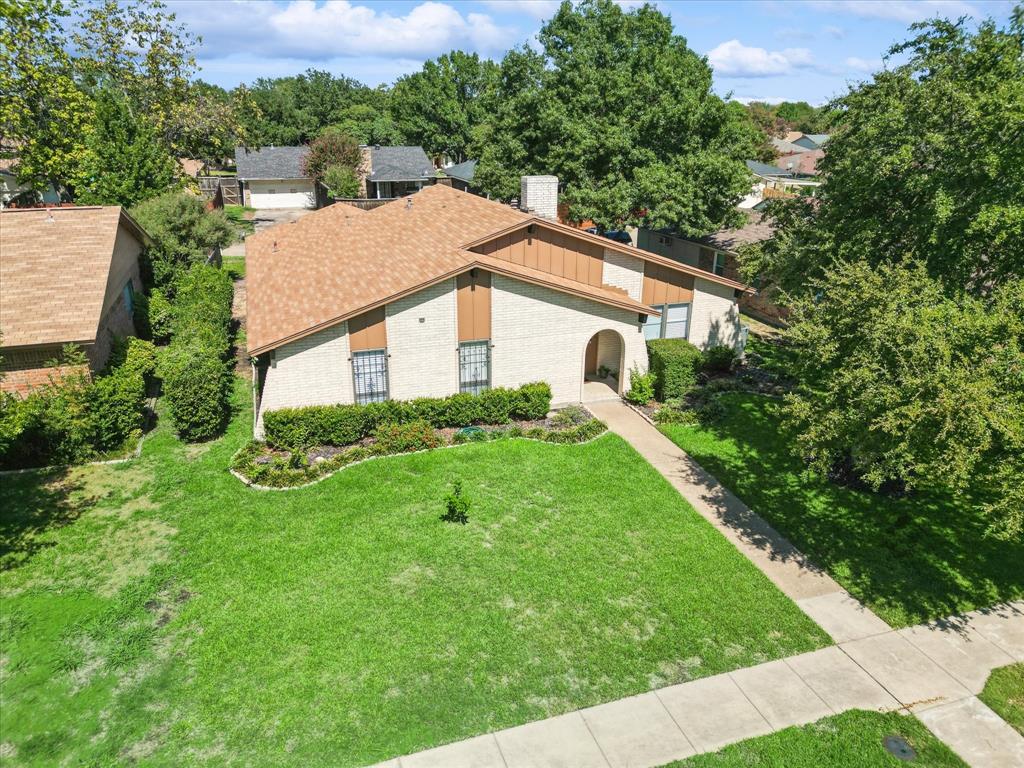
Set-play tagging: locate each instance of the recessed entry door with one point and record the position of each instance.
(590, 366)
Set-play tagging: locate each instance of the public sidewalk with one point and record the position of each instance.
(934, 670)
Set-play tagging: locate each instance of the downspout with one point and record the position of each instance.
(255, 403)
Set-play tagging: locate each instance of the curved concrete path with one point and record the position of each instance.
(933, 670)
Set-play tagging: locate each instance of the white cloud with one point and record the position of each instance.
(863, 65)
(898, 10)
(734, 59)
(304, 29)
(833, 31)
(537, 9)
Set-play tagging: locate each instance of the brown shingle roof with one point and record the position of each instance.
(754, 231)
(341, 261)
(54, 265)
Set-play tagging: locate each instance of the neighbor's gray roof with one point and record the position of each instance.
(270, 162)
(763, 169)
(399, 164)
(463, 171)
(817, 138)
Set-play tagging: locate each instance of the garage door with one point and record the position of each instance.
(281, 194)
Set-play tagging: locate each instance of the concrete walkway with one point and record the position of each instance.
(933, 670)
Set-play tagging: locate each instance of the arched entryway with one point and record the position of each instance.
(603, 363)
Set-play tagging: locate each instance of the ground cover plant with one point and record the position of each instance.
(1004, 693)
(850, 740)
(909, 558)
(159, 612)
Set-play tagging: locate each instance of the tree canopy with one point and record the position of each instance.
(926, 162)
(621, 110)
(902, 385)
(439, 106)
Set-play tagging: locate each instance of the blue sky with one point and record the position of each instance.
(760, 49)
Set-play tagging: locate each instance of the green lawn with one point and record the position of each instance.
(235, 265)
(159, 612)
(850, 740)
(1004, 693)
(941, 563)
(241, 216)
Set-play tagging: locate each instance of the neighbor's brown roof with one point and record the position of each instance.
(755, 230)
(341, 261)
(54, 265)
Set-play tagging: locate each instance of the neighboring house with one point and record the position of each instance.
(447, 292)
(770, 181)
(783, 147)
(811, 140)
(801, 164)
(67, 276)
(397, 171)
(718, 253)
(272, 177)
(11, 192)
(461, 175)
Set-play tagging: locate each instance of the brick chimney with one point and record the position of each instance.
(539, 195)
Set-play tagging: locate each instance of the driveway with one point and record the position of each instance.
(271, 217)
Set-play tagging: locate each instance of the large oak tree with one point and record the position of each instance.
(621, 110)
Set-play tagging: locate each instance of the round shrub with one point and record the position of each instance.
(197, 386)
(718, 359)
(531, 401)
(674, 363)
(404, 438)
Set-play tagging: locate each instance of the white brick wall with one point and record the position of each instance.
(716, 319)
(541, 335)
(314, 370)
(537, 334)
(423, 356)
(540, 195)
(624, 271)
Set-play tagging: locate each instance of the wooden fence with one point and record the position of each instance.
(228, 186)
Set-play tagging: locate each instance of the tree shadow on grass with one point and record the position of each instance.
(919, 557)
(32, 505)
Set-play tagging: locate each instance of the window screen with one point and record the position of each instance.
(474, 366)
(719, 268)
(652, 328)
(677, 321)
(370, 374)
(129, 297)
(674, 322)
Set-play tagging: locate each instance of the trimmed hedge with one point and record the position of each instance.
(195, 369)
(718, 359)
(293, 428)
(75, 418)
(674, 364)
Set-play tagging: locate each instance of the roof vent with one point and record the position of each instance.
(49, 216)
(408, 203)
(274, 249)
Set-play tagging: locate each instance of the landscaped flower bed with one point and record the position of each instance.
(261, 464)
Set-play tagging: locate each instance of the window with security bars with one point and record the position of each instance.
(370, 375)
(474, 366)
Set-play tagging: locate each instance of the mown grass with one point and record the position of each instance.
(241, 216)
(1004, 693)
(910, 559)
(161, 613)
(850, 740)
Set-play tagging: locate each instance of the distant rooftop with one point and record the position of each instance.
(463, 171)
(399, 164)
(270, 162)
(764, 169)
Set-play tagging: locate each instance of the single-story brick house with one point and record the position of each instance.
(272, 177)
(67, 276)
(445, 291)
